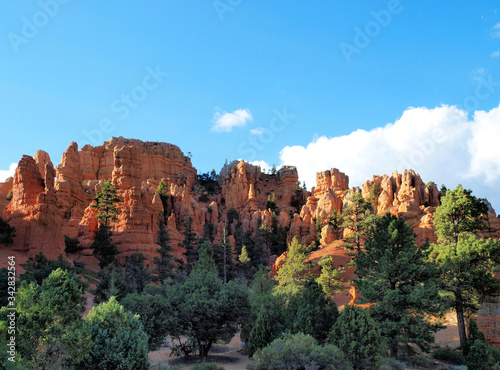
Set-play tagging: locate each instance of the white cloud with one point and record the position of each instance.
(495, 54)
(5, 174)
(483, 146)
(441, 144)
(495, 31)
(264, 166)
(257, 131)
(225, 122)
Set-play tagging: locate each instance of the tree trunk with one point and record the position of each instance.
(459, 307)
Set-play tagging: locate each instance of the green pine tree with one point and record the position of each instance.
(189, 244)
(292, 275)
(358, 218)
(310, 312)
(243, 257)
(163, 262)
(330, 278)
(359, 337)
(139, 275)
(466, 262)
(7, 232)
(105, 203)
(262, 333)
(119, 339)
(393, 273)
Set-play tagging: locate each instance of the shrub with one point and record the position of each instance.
(119, 338)
(72, 244)
(449, 355)
(206, 366)
(389, 363)
(299, 351)
(358, 335)
(9, 195)
(203, 198)
(480, 356)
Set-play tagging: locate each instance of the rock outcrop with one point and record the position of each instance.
(48, 203)
(33, 209)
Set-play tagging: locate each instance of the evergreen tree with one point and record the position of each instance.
(359, 337)
(310, 312)
(119, 340)
(189, 244)
(330, 278)
(205, 309)
(292, 274)
(261, 298)
(7, 232)
(335, 223)
(49, 331)
(38, 268)
(164, 197)
(139, 275)
(113, 282)
(262, 333)
(358, 219)
(164, 262)
(393, 273)
(478, 354)
(103, 247)
(105, 203)
(232, 215)
(473, 334)
(271, 203)
(154, 312)
(466, 262)
(243, 257)
(460, 212)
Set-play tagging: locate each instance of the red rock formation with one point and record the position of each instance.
(5, 188)
(32, 210)
(489, 319)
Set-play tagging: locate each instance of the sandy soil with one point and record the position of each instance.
(230, 356)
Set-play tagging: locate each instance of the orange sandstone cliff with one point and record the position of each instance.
(48, 202)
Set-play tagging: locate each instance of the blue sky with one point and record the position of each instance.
(367, 86)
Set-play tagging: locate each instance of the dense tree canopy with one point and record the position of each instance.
(205, 310)
(50, 332)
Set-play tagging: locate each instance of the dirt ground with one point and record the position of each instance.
(232, 356)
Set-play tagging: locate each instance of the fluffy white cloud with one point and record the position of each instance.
(257, 131)
(495, 31)
(225, 122)
(441, 144)
(495, 54)
(264, 166)
(5, 174)
(484, 148)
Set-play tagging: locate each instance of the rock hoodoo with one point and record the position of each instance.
(48, 203)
